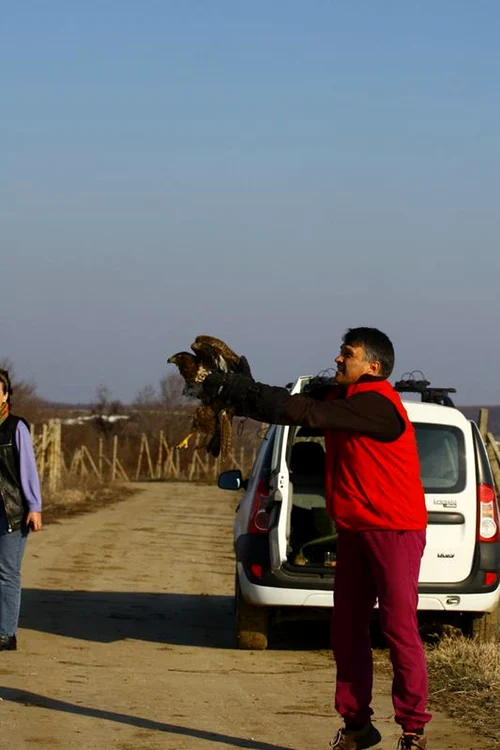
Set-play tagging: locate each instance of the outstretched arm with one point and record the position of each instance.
(369, 413)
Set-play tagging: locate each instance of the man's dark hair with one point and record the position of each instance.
(5, 380)
(378, 347)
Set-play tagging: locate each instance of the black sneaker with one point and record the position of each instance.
(358, 739)
(409, 741)
(8, 643)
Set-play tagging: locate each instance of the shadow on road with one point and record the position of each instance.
(107, 616)
(176, 619)
(33, 699)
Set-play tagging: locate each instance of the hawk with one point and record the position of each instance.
(214, 424)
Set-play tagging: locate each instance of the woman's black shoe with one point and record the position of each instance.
(8, 643)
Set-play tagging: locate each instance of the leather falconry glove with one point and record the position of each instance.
(318, 387)
(229, 390)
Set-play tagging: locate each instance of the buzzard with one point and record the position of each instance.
(214, 424)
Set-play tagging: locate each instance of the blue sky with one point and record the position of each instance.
(269, 172)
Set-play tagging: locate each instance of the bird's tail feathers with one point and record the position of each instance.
(226, 432)
(214, 444)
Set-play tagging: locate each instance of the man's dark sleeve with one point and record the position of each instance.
(369, 413)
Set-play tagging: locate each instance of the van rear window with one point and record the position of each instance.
(441, 450)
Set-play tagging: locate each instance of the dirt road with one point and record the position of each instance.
(126, 642)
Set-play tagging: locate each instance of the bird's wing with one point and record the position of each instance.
(216, 354)
(207, 422)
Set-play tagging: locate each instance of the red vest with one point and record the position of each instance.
(372, 484)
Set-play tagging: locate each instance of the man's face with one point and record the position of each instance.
(3, 393)
(352, 364)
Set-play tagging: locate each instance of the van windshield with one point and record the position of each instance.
(441, 449)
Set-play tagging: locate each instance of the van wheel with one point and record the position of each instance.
(252, 624)
(485, 628)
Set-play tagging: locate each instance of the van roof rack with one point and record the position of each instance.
(430, 394)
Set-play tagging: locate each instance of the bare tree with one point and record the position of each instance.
(171, 393)
(177, 409)
(107, 412)
(147, 399)
(147, 410)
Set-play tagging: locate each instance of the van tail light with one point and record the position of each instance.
(257, 570)
(488, 522)
(259, 517)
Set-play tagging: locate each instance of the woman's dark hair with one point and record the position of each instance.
(378, 347)
(5, 380)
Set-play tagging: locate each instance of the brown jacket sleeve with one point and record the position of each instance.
(369, 413)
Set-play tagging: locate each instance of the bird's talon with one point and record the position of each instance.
(184, 443)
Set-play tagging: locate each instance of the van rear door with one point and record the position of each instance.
(447, 468)
(279, 528)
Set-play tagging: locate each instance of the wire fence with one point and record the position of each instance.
(115, 459)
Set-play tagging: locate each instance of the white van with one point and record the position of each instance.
(285, 543)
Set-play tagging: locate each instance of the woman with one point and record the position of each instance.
(20, 510)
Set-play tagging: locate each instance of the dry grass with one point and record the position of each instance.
(464, 682)
(82, 496)
(464, 679)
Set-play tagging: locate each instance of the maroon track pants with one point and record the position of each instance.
(381, 565)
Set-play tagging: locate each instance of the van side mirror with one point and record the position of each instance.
(231, 480)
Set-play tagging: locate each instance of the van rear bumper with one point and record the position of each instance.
(266, 595)
(486, 560)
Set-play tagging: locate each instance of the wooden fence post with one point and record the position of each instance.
(172, 465)
(101, 457)
(115, 458)
(139, 459)
(483, 422)
(144, 450)
(160, 455)
(148, 457)
(494, 456)
(55, 454)
(196, 461)
(87, 454)
(167, 464)
(217, 467)
(73, 466)
(43, 448)
(122, 470)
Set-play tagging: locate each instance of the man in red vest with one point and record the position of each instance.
(375, 497)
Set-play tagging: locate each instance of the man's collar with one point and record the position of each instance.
(369, 379)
